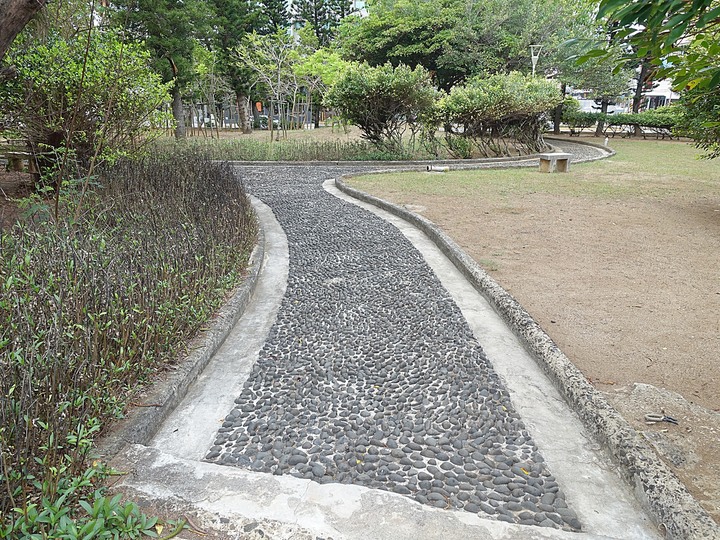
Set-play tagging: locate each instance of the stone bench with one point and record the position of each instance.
(16, 161)
(555, 162)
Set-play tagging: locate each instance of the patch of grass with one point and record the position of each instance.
(489, 265)
(640, 168)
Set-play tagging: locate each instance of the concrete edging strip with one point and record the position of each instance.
(669, 504)
(142, 421)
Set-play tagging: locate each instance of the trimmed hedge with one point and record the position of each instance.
(662, 118)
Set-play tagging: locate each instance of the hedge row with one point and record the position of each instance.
(667, 118)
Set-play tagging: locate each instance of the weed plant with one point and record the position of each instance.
(246, 149)
(89, 307)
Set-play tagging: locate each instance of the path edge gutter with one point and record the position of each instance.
(677, 514)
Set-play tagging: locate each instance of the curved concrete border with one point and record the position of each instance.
(163, 396)
(608, 152)
(677, 514)
(384, 163)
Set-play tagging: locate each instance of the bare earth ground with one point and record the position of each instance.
(628, 287)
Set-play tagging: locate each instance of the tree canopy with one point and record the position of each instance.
(456, 39)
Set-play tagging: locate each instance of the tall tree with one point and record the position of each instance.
(271, 58)
(663, 30)
(169, 29)
(455, 39)
(605, 83)
(409, 32)
(324, 16)
(234, 19)
(681, 39)
(276, 15)
(15, 15)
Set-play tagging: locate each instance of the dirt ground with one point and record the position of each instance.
(628, 288)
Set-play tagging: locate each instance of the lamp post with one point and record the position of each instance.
(534, 55)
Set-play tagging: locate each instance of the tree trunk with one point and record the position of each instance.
(245, 120)
(638, 97)
(15, 15)
(178, 114)
(601, 123)
(316, 115)
(557, 113)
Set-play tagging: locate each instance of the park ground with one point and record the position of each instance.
(617, 260)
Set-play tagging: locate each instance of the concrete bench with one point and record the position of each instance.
(555, 162)
(16, 161)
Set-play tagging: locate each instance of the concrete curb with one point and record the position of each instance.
(606, 149)
(677, 514)
(142, 422)
(410, 165)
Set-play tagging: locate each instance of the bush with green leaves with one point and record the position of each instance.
(700, 120)
(88, 96)
(662, 117)
(579, 120)
(78, 508)
(384, 101)
(502, 115)
(92, 303)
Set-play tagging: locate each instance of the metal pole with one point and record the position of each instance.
(534, 56)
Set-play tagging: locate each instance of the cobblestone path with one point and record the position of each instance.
(371, 376)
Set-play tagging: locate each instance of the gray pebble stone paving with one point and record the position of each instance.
(371, 376)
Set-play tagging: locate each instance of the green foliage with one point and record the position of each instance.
(323, 16)
(89, 308)
(679, 37)
(169, 28)
(455, 39)
(271, 58)
(601, 77)
(681, 40)
(701, 120)
(383, 101)
(296, 150)
(91, 95)
(233, 20)
(321, 69)
(490, 110)
(662, 117)
(77, 509)
(403, 32)
(578, 120)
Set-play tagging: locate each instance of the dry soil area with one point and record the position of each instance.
(628, 287)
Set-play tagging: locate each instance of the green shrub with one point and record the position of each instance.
(580, 119)
(90, 307)
(501, 114)
(383, 101)
(99, 98)
(662, 117)
(700, 120)
(77, 509)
